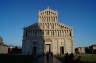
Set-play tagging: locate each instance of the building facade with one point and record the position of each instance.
(1, 40)
(48, 35)
(3, 47)
(93, 47)
(80, 50)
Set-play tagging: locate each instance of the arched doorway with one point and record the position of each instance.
(48, 45)
(62, 50)
(48, 48)
(34, 50)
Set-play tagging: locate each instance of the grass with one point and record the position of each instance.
(88, 58)
(84, 58)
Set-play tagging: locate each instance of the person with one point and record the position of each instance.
(66, 58)
(51, 56)
(71, 58)
(47, 56)
(78, 59)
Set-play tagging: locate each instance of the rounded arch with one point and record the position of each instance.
(48, 40)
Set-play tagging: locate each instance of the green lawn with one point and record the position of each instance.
(84, 58)
(88, 58)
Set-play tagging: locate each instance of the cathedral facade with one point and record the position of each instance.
(48, 35)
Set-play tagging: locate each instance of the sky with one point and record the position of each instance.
(78, 14)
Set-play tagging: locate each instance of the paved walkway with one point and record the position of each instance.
(44, 60)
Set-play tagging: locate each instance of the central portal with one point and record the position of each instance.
(48, 48)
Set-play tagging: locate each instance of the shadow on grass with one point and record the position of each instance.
(16, 59)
